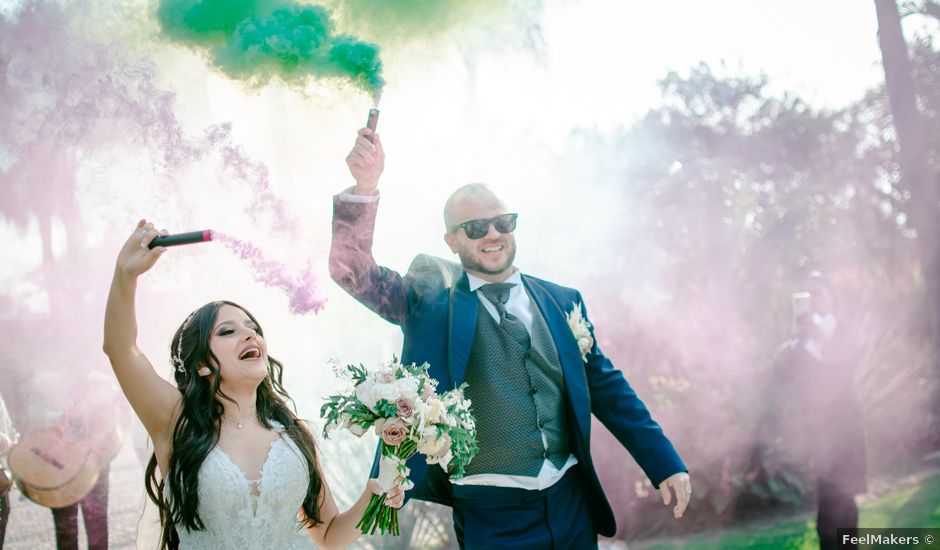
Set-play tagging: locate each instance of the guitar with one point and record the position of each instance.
(55, 471)
(5, 482)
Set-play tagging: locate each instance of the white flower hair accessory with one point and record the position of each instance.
(178, 356)
(581, 329)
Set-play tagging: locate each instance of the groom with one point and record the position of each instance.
(532, 385)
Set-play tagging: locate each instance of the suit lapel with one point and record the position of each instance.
(463, 323)
(571, 365)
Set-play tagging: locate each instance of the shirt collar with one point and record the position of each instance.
(827, 323)
(476, 282)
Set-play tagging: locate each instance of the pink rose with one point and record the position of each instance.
(405, 408)
(393, 432)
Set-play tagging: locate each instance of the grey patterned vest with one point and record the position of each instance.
(514, 392)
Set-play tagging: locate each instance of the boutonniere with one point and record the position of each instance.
(581, 330)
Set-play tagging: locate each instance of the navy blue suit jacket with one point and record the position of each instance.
(437, 313)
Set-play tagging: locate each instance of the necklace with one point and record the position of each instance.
(240, 423)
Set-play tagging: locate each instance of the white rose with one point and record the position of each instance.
(365, 394)
(433, 445)
(435, 411)
(407, 388)
(388, 392)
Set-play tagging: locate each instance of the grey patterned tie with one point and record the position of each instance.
(498, 295)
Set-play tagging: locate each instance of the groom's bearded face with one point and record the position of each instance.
(492, 254)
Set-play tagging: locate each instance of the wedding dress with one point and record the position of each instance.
(238, 515)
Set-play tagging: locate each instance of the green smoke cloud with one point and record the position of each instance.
(403, 21)
(257, 40)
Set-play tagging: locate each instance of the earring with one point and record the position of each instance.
(204, 371)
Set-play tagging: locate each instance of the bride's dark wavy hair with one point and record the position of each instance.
(197, 428)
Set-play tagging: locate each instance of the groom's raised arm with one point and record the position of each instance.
(352, 266)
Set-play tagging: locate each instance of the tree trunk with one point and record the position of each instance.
(913, 154)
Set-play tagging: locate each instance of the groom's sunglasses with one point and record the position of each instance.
(476, 229)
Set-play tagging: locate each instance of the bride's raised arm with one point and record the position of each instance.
(154, 399)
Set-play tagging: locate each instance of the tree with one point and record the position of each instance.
(732, 195)
(914, 150)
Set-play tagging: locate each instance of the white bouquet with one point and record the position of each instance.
(401, 403)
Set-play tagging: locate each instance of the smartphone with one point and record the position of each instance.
(802, 304)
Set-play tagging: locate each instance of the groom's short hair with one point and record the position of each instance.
(472, 191)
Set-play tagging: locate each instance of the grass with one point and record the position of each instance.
(917, 506)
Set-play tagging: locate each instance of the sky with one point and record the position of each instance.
(596, 63)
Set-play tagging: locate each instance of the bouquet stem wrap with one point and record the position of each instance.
(378, 515)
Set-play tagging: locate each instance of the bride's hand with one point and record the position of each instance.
(396, 495)
(135, 257)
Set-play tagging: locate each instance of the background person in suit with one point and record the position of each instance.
(822, 419)
(534, 381)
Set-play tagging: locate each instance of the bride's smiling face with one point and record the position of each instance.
(238, 343)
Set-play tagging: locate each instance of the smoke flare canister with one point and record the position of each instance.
(181, 238)
(373, 121)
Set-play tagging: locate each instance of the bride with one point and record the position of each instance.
(241, 471)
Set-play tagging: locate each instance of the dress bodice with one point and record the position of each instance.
(234, 517)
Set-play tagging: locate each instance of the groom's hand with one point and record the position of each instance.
(366, 161)
(682, 485)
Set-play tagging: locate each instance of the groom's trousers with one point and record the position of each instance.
(555, 518)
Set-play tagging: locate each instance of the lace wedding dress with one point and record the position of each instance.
(251, 514)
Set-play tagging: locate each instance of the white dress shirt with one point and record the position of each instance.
(349, 196)
(827, 323)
